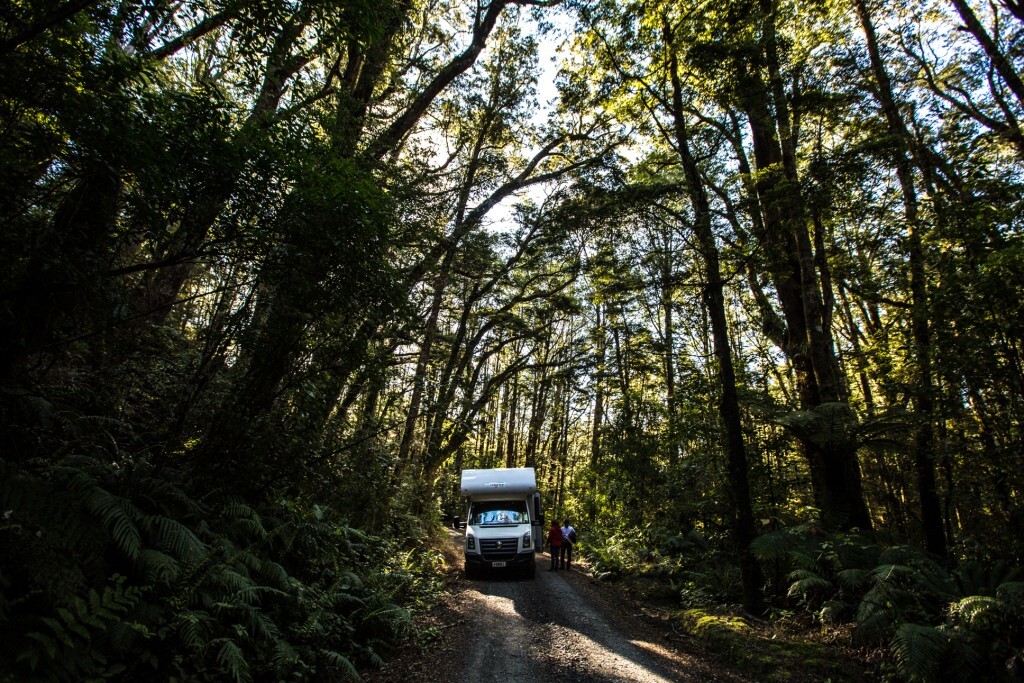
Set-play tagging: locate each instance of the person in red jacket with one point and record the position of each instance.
(554, 544)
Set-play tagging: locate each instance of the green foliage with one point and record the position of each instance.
(70, 645)
(113, 573)
(696, 571)
(613, 555)
(937, 623)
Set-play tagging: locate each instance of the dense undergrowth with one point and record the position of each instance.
(124, 573)
(961, 621)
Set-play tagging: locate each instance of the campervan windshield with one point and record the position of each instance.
(499, 512)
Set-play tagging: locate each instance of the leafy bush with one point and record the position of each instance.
(611, 556)
(937, 623)
(112, 572)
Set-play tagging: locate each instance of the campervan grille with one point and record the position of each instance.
(491, 552)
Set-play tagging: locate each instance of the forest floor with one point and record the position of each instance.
(569, 627)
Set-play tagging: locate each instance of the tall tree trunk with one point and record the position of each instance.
(714, 300)
(835, 470)
(1000, 62)
(601, 337)
(423, 362)
(670, 366)
(511, 454)
(924, 448)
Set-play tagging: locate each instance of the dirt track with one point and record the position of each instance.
(561, 626)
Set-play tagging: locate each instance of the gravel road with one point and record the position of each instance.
(561, 626)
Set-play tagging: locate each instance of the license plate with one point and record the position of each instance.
(497, 564)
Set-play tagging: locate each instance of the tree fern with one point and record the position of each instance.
(979, 612)
(918, 651)
(853, 578)
(115, 513)
(805, 582)
(170, 534)
(773, 546)
(340, 663)
(157, 566)
(64, 644)
(232, 660)
(193, 628)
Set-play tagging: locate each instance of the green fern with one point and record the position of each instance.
(193, 628)
(1012, 593)
(216, 591)
(115, 513)
(158, 567)
(63, 645)
(806, 582)
(918, 651)
(231, 659)
(978, 612)
(853, 578)
(170, 534)
(341, 664)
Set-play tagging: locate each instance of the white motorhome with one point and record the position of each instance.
(503, 520)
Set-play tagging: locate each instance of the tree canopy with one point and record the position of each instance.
(741, 280)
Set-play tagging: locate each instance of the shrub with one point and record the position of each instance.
(937, 623)
(123, 573)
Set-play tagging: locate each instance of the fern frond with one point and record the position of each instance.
(263, 626)
(115, 513)
(389, 612)
(158, 566)
(246, 521)
(171, 534)
(251, 595)
(918, 651)
(1012, 593)
(341, 663)
(232, 659)
(274, 574)
(805, 581)
(891, 572)
(373, 658)
(233, 581)
(832, 612)
(803, 560)
(284, 654)
(165, 496)
(875, 620)
(853, 579)
(979, 611)
(932, 578)
(968, 664)
(193, 629)
(772, 546)
(898, 555)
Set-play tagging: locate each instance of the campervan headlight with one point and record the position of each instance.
(470, 542)
(527, 540)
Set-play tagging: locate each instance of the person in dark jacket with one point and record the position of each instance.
(554, 544)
